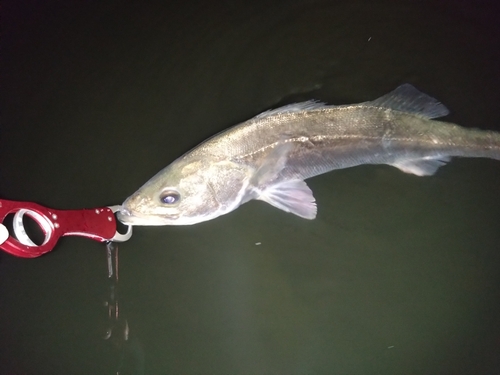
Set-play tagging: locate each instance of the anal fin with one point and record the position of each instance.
(422, 167)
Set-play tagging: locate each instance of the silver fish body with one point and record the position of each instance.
(269, 156)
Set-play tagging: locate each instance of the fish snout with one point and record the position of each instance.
(124, 211)
(124, 215)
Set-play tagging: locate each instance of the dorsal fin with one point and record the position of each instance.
(295, 107)
(406, 98)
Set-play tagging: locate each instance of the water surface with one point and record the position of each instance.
(397, 275)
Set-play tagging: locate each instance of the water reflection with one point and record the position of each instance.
(128, 349)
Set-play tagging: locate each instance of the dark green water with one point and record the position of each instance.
(397, 275)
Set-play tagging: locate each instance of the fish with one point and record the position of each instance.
(268, 157)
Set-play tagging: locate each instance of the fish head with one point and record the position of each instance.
(187, 192)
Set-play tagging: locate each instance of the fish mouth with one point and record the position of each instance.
(125, 216)
(128, 217)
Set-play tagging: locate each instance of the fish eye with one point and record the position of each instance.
(170, 197)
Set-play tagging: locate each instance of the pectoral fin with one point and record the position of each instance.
(272, 165)
(291, 196)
